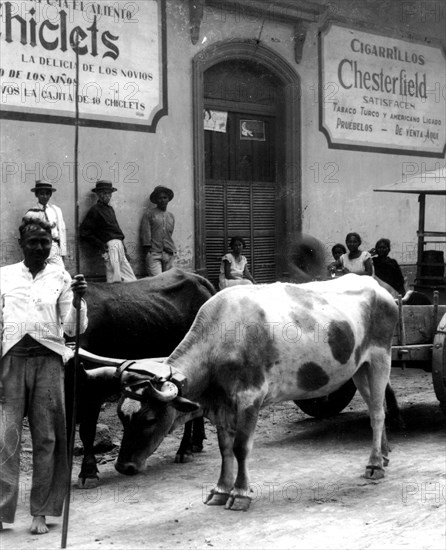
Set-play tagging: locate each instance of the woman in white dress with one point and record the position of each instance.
(234, 266)
(356, 260)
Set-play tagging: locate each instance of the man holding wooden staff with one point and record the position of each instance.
(38, 304)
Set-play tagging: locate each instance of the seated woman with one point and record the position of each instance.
(234, 266)
(334, 268)
(387, 269)
(356, 260)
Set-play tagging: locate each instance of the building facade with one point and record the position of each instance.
(265, 118)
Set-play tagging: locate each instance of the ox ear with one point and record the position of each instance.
(185, 405)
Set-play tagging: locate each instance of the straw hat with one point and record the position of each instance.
(104, 185)
(43, 185)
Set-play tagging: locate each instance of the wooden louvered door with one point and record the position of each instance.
(241, 194)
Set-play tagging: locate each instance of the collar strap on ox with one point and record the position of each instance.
(122, 367)
(175, 376)
(132, 393)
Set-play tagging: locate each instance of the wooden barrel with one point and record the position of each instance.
(432, 265)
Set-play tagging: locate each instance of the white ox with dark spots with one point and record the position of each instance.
(253, 346)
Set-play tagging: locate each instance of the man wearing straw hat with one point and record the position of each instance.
(157, 226)
(52, 214)
(100, 228)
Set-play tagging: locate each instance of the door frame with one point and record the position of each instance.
(291, 184)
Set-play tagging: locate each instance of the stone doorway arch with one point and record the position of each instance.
(289, 174)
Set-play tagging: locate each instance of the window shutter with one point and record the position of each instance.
(264, 232)
(247, 209)
(215, 229)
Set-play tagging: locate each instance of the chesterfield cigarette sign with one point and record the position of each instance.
(121, 53)
(381, 93)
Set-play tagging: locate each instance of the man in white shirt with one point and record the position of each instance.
(52, 214)
(38, 303)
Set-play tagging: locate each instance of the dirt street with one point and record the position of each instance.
(307, 480)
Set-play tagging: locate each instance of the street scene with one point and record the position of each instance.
(222, 274)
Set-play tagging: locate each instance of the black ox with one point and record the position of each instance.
(146, 318)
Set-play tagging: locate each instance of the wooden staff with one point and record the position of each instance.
(66, 511)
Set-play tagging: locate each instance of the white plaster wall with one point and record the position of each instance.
(134, 161)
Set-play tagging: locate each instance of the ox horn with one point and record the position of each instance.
(167, 393)
(99, 373)
(99, 359)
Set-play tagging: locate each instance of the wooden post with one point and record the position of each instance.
(401, 327)
(66, 511)
(420, 232)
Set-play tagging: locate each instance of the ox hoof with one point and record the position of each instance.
(197, 448)
(374, 472)
(184, 458)
(217, 499)
(385, 461)
(87, 482)
(238, 503)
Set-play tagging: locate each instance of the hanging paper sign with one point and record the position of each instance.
(253, 130)
(121, 49)
(215, 121)
(381, 93)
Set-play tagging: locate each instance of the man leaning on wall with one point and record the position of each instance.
(101, 230)
(157, 226)
(50, 213)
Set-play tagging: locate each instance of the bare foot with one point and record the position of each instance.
(38, 526)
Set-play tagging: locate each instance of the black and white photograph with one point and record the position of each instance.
(222, 274)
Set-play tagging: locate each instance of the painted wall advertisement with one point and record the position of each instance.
(381, 93)
(121, 61)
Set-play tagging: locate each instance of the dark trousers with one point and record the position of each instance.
(33, 386)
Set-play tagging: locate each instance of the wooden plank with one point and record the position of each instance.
(423, 352)
(419, 324)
